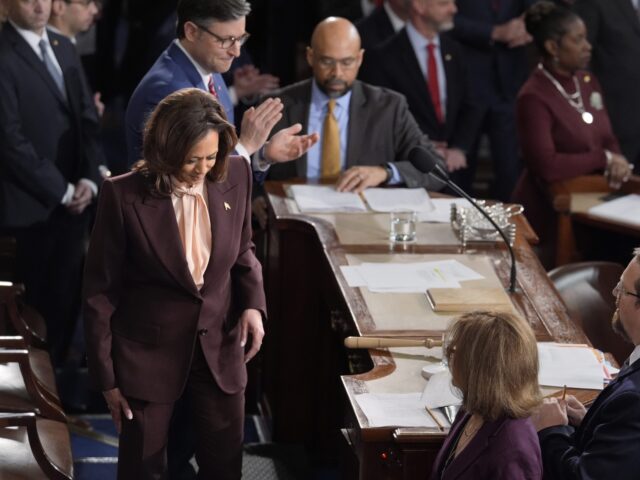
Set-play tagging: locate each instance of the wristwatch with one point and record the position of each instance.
(389, 170)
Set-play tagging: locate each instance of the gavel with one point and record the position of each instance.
(386, 342)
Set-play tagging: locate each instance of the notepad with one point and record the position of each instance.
(320, 198)
(468, 299)
(398, 199)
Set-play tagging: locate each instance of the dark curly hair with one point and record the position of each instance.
(548, 21)
(174, 127)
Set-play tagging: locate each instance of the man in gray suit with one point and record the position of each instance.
(366, 132)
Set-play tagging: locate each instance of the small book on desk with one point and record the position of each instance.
(468, 299)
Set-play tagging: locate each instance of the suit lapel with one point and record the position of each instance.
(416, 79)
(23, 49)
(357, 112)
(299, 112)
(604, 395)
(223, 205)
(629, 12)
(447, 61)
(476, 447)
(158, 220)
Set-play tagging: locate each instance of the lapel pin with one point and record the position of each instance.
(448, 57)
(55, 43)
(227, 206)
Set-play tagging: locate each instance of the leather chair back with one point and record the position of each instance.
(585, 288)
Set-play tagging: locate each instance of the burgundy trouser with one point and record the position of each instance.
(218, 422)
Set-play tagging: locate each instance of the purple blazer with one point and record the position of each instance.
(505, 449)
(143, 312)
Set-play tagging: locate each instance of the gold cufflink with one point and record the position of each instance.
(227, 206)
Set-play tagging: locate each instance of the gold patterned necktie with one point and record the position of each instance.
(330, 143)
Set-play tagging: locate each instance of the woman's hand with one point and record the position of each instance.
(618, 170)
(552, 412)
(251, 323)
(117, 405)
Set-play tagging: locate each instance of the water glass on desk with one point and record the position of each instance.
(402, 226)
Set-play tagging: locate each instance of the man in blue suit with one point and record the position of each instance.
(605, 440)
(210, 34)
(493, 35)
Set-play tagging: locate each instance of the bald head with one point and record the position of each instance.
(335, 55)
(335, 30)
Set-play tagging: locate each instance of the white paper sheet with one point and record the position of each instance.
(396, 410)
(321, 198)
(573, 366)
(405, 277)
(441, 212)
(624, 209)
(398, 199)
(408, 277)
(439, 392)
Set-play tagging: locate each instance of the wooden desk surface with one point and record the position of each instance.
(536, 299)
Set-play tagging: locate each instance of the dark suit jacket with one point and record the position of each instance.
(381, 130)
(143, 312)
(375, 28)
(606, 443)
(498, 71)
(172, 71)
(46, 141)
(613, 29)
(394, 65)
(506, 449)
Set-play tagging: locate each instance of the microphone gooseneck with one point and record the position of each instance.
(427, 162)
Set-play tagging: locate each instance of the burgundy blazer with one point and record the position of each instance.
(556, 144)
(143, 312)
(506, 449)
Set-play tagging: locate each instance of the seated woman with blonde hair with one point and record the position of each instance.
(493, 359)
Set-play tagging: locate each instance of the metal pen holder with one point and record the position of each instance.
(470, 227)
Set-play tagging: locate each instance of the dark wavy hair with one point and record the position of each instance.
(174, 127)
(548, 21)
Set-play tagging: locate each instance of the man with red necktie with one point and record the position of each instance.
(427, 66)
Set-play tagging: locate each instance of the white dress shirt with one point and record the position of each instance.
(419, 44)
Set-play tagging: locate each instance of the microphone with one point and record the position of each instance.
(427, 162)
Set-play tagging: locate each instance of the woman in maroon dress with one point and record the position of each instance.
(563, 124)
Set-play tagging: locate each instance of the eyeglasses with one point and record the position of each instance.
(621, 290)
(227, 42)
(329, 63)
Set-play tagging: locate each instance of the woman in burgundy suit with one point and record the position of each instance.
(173, 290)
(493, 359)
(563, 124)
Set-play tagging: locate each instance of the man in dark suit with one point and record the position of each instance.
(381, 24)
(210, 34)
(48, 163)
(604, 440)
(613, 29)
(493, 35)
(374, 130)
(440, 102)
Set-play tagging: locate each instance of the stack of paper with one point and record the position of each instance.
(397, 410)
(575, 366)
(408, 277)
(320, 198)
(398, 199)
(624, 209)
